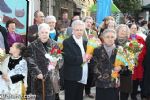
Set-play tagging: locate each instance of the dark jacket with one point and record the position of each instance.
(4, 33)
(146, 63)
(103, 67)
(38, 64)
(72, 60)
(32, 33)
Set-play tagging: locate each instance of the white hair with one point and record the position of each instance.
(109, 31)
(121, 26)
(43, 25)
(77, 22)
(50, 18)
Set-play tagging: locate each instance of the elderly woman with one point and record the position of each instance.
(125, 75)
(12, 35)
(51, 21)
(75, 63)
(138, 70)
(104, 58)
(112, 25)
(38, 64)
(123, 32)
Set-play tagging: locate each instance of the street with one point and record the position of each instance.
(85, 98)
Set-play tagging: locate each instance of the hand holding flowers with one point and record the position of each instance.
(54, 55)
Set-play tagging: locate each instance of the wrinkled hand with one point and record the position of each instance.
(40, 76)
(54, 63)
(88, 57)
(118, 68)
(84, 59)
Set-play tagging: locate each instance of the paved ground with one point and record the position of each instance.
(85, 98)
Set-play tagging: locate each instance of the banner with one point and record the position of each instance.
(103, 10)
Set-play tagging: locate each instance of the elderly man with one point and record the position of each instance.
(51, 21)
(75, 63)
(38, 64)
(33, 30)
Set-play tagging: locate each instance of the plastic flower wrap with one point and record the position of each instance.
(134, 48)
(127, 55)
(92, 44)
(54, 55)
(120, 57)
(60, 40)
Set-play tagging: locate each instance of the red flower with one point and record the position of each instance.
(52, 51)
(58, 51)
(131, 45)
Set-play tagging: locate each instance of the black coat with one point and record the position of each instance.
(72, 60)
(146, 65)
(4, 33)
(103, 67)
(37, 64)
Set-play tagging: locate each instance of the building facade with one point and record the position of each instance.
(57, 7)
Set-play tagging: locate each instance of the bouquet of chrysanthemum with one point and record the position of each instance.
(2, 55)
(134, 49)
(91, 45)
(133, 46)
(54, 55)
(60, 40)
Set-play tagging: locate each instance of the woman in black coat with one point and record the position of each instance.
(125, 75)
(104, 58)
(146, 77)
(41, 84)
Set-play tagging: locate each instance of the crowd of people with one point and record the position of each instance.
(43, 68)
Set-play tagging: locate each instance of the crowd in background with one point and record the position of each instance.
(26, 69)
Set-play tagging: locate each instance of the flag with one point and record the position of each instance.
(103, 10)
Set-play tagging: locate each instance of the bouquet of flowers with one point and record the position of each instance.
(92, 44)
(127, 55)
(115, 75)
(134, 48)
(60, 40)
(54, 55)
